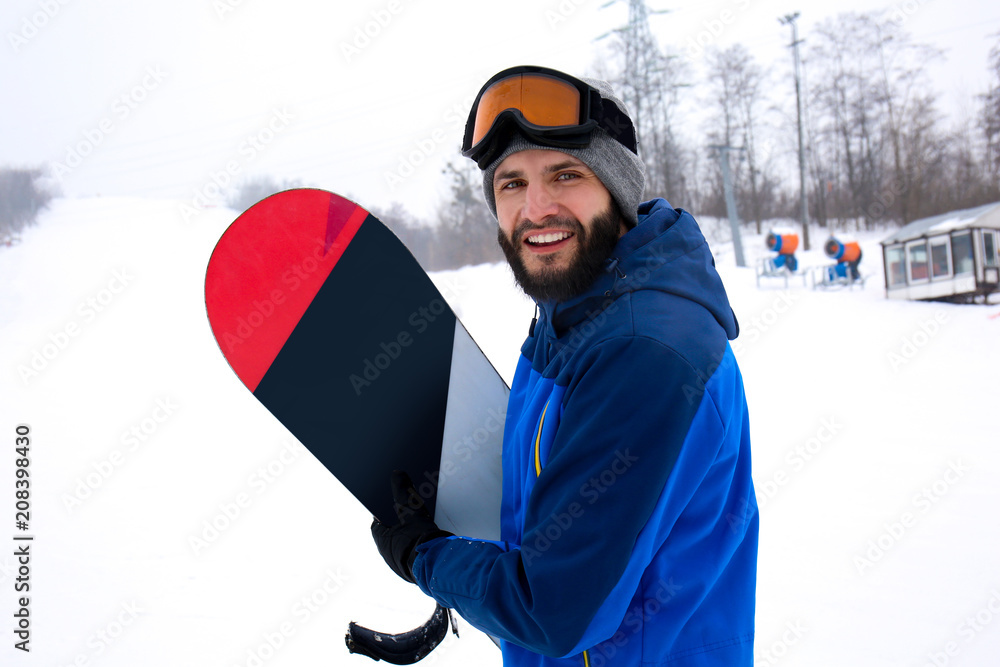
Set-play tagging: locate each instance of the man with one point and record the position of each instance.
(629, 522)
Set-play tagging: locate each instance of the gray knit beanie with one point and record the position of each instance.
(619, 169)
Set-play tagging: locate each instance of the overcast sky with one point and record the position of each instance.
(170, 99)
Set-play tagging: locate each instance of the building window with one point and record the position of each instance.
(940, 265)
(896, 262)
(917, 258)
(989, 248)
(961, 253)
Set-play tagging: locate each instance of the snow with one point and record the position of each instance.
(176, 523)
(957, 222)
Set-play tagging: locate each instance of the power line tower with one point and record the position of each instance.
(643, 59)
(789, 19)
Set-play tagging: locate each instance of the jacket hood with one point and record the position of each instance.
(666, 251)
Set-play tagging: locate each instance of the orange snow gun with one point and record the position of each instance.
(842, 252)
(783, 244)
(847, 255)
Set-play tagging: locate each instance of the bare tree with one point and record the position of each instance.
(736, 85)
(990, 117)
(466, 231)
(252, 190)
(911, 118)
(959, 179)
(877, 126)
(847, 96)
(419, 238)
(722, 126)
(22, 198)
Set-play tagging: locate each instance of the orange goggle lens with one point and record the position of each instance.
(543, 101)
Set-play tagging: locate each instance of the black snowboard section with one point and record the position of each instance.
(382, 355)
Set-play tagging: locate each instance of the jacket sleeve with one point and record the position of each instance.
(598, 502)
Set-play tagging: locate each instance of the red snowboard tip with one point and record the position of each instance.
(267, 268)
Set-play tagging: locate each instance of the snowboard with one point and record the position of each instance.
(335, 328)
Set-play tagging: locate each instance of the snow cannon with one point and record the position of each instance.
(785, 244)
(842, 252)
(847, 255)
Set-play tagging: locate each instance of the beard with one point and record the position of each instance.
(552, 283)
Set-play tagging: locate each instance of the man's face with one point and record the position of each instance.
(558, 223)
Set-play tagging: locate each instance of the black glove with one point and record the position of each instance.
(398, 544)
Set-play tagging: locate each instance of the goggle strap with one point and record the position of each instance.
(611, 119)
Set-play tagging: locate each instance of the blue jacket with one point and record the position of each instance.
(629, 521)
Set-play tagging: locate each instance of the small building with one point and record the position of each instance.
(951, 257)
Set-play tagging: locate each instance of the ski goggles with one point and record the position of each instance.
(550, 108)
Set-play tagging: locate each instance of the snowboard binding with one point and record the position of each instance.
(404, 648)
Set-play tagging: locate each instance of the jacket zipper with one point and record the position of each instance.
(538, 442)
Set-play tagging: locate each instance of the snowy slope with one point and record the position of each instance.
(175, 522)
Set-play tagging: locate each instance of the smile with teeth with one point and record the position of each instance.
(546, 239)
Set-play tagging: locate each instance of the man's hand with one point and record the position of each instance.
(398, 544)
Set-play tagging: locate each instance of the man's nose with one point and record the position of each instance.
(539, 203)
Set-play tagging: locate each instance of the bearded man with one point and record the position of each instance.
(629, 523)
